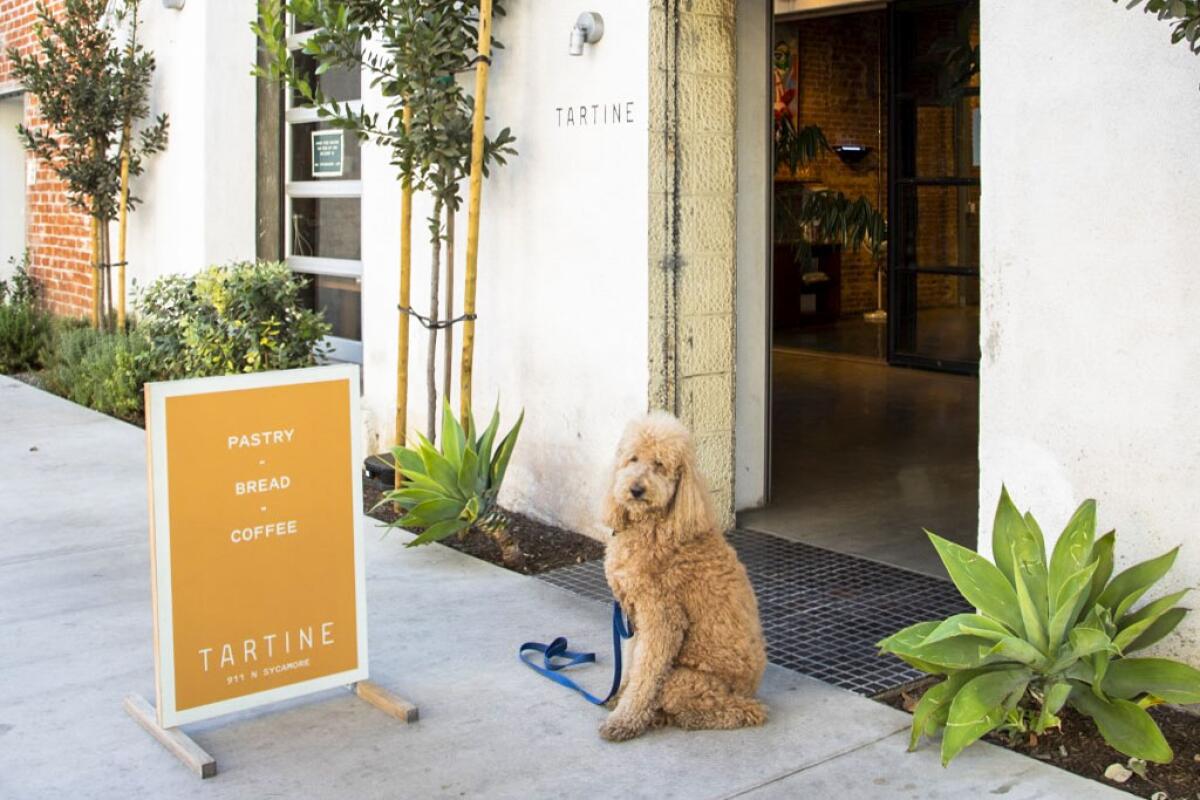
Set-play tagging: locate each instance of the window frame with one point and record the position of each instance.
(341, 349)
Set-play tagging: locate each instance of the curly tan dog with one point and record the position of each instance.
(697, 653)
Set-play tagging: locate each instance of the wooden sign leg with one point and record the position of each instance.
(179, 743)
(385, 701)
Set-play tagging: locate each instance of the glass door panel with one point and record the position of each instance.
(327, 227)
(934, 179)
(340, 300)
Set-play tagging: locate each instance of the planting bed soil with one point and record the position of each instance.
(544, 547)
(1079, 748)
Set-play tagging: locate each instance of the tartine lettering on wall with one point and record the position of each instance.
(595, 115)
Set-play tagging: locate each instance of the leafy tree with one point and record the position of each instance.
(411, 50)
(91, 90)
(1184, 16)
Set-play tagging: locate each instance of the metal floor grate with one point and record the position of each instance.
(822, 612)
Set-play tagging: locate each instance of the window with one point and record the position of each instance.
(323, 204)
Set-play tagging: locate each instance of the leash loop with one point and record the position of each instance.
(556, 657)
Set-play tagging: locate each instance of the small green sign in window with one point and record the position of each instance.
(328, 154)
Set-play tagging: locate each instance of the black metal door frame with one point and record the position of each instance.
(903, 269)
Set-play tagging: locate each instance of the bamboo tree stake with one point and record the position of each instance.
(448, 345)
(122, 221)
(476, 191)
(122, 213)
(406, 196)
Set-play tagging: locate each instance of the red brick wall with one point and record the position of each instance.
(842, 78)
(57, 236)
(843, 74)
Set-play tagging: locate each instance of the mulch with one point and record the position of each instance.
(1079, 748)
(545, 547)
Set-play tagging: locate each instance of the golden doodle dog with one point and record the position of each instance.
(697, 655)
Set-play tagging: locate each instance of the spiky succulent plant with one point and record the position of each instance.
(449, 490)
(1047, 634)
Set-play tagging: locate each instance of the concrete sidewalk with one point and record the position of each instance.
(75, 623)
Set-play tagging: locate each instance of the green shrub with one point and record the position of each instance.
(445, 492)
(24, 337)
(1047, 633)
(72, 342)
(103, 371)
(244, 317)
(24, 327)
(21, 289)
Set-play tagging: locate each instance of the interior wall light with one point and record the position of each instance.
(589, 28)
(175, 4)
(851, 154)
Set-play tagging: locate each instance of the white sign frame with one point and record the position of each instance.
(160, 539)
(338, 134)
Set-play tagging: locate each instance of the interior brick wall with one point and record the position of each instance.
(58, 237)
(843, 76)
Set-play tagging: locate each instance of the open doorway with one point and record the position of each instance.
(875, 278)
(12, 183)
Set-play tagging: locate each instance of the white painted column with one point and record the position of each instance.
(1091, 294)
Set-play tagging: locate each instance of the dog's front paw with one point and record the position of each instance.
(621, 727)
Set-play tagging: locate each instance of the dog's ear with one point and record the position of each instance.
(691, 509)
(612, 513)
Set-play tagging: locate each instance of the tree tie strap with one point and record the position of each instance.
(435, 325)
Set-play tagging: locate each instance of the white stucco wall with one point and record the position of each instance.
(562, 295)
(562, 298)
(12, 183)
(198, 195)
(1091, 358)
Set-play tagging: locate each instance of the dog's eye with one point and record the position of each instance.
(658, 464)
(633, 459)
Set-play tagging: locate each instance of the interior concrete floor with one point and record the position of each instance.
(851, 336)
(951, 334)
(865, 455)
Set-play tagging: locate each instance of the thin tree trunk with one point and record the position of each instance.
(107, 308)
(95, 273)
(448, 345)
(431, 358)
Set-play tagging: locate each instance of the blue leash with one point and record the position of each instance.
(569, 658)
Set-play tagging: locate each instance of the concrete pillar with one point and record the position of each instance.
(693, 174)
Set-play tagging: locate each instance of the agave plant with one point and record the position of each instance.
(447, 491)
(1047, 634)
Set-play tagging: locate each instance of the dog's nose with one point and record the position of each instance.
(637, 490)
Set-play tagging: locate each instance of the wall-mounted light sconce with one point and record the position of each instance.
(588, 30)
(175, 4)
(851, 154)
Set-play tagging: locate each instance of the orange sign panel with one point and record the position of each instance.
(256, 498)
